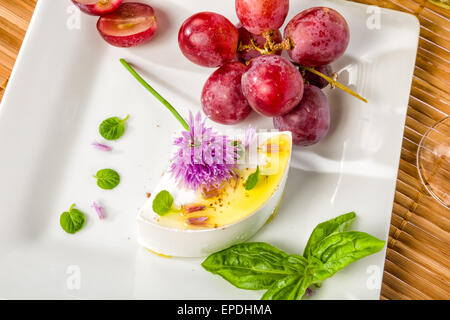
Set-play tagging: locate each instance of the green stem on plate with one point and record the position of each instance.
(155, 94)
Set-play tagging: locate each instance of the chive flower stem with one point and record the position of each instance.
(155, 93)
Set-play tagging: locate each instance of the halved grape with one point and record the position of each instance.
(97, 7)
(320, 35)
(315, 80)
(244, 38)
(309, 121)
(258, 16)
(222, 97)
(130, 25)
(208, 39)
(272, 85)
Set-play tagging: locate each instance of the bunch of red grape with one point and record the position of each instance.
(121, 24)
(252, 74)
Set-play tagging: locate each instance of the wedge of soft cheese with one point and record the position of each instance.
(204, 222)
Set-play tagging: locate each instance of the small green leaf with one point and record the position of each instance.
(162, 203)
(328, 228)
(112, 128)
(252, 180)
(252, 265)
(72, 220)
(107, 179)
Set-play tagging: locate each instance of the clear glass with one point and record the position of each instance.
(433, 161)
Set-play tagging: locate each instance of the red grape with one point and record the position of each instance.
(222, 97)
(208, 39)
(320, 35)
(309, 121)
(97, 7)
(315, 80)
(258, 16)
(130, 25)
(272, 85)
(244, 37)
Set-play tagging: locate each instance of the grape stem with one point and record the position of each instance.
(155, 94)
(333, 82)
(252, 46)
(270, 46)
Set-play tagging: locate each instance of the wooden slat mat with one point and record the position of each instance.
(417, 262)
(14, 18)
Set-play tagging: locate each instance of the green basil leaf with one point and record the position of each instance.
(107, 179)
(295, 262)
(112, 128)
(251, 266)
(317, 271)
(289, 288)
(258, 265)
(252, 180)
(293, 287)
(72, 221)
(337, 251)
(162, 203)
(328, 228)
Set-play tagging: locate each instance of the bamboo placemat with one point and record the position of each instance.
(417, 262)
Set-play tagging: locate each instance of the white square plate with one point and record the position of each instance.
(67, 80)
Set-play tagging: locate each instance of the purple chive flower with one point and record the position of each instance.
(102, 147)
(99, 210)
(204, 158)
(309, 292)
